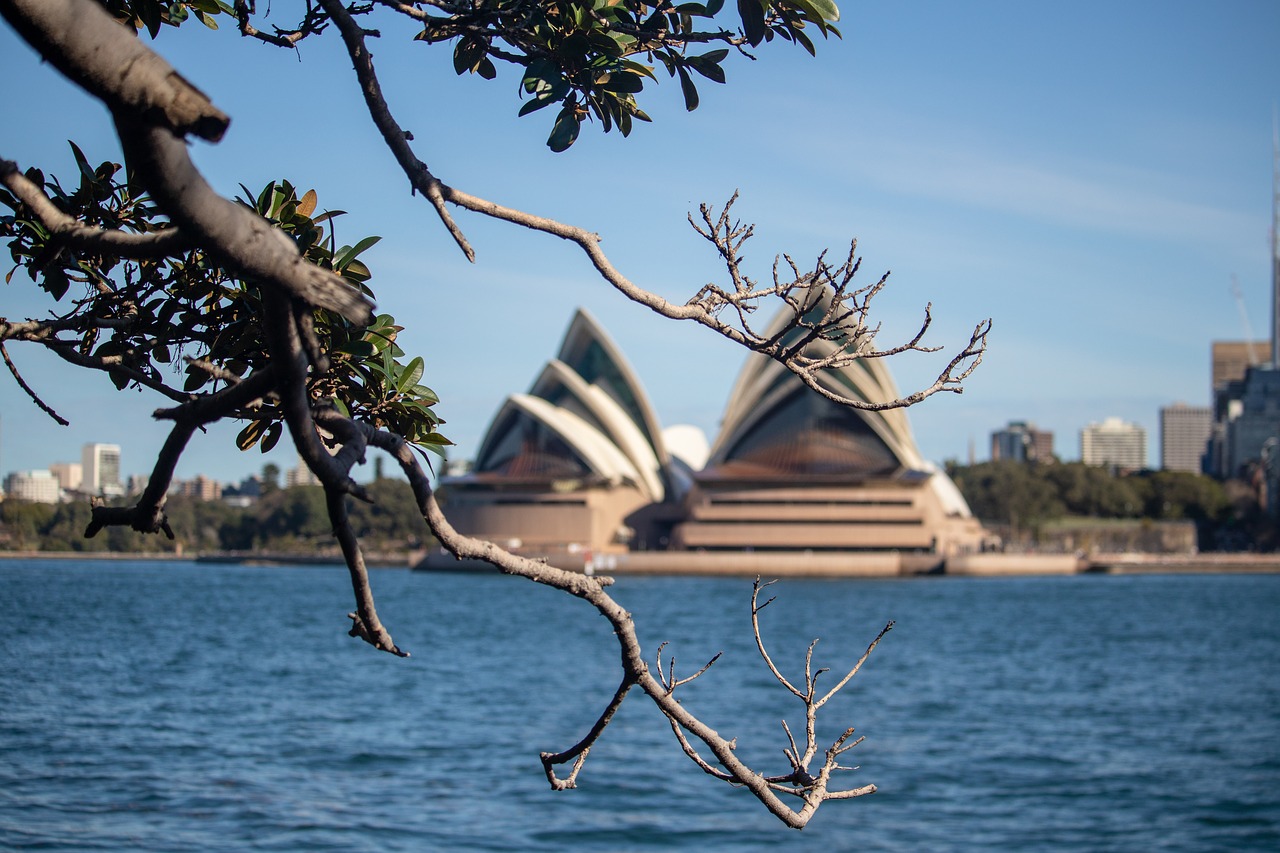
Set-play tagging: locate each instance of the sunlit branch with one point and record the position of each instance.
(80, 39)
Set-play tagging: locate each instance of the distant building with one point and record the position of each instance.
(1251, 425)
(580, 465)
(1020, 441)
(1115, 444)
(566, 468)
(69, 475)
(300, 476)
(1230, 360)
(35, 486)
(793, 471)
(101, 470)
(1184, 437)
(201, 488)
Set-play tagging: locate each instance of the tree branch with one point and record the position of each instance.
(395, 137)
(238, 239)
(80, 39)
(35, 398)
(157, 244)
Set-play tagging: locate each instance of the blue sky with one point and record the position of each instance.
(1090, 175)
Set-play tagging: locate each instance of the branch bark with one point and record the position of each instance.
(104, 58)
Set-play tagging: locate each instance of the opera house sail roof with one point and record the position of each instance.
(791, 469)
(579, 465)
(565, 464)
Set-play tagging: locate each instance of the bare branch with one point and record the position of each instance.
(365, 623)
(35, 398)
(846, 330)
(580, 749)
(396, 138)
(312, 24)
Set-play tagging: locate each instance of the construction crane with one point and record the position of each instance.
(1244, 319)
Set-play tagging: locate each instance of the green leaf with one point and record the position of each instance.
(82, 162)
(359, 349)
(535, 105)
(752, 12)
(565, 131)
(827, 9)
(347, 253)
(690, 90)
(410, 375)
(621, 81)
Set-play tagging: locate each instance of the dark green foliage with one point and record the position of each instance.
(582, 55)
(586, 56)
(1025, 496)
(293, 520)
(138, 319)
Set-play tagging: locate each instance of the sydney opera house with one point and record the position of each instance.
(579, 467)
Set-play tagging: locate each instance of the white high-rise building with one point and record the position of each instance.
(35, 486)
(1115, 444)
(100, 470)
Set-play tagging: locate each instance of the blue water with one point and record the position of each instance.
(179, 707)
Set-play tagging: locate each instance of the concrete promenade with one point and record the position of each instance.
(883, 564)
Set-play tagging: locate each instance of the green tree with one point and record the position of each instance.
(23, 523)
(270, 478)
(147, 264)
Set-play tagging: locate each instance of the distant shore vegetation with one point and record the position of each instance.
(1024, 503)
(286, 520)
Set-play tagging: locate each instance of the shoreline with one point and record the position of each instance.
(782, 564)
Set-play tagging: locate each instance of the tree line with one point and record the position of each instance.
(1024, 497)
(1012, 495)
(294, 520)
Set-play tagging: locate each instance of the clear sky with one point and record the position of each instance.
(1090, 175)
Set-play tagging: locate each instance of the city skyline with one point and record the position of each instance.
(1095, 203)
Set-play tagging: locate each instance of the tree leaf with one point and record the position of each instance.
(752, 12)
(272, 436)
(565, 131)
(690, 90)
(410, 375)
(249, 436)
(308, 203)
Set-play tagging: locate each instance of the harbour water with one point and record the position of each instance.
(170, 706)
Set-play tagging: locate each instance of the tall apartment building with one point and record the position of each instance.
(100, 470)
(1020, 441)
(1184, 437)
(1114, 443)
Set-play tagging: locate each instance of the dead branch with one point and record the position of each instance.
(801, 781)
(152, 136)
(843, 326)
(35, 398)
(578, 752)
